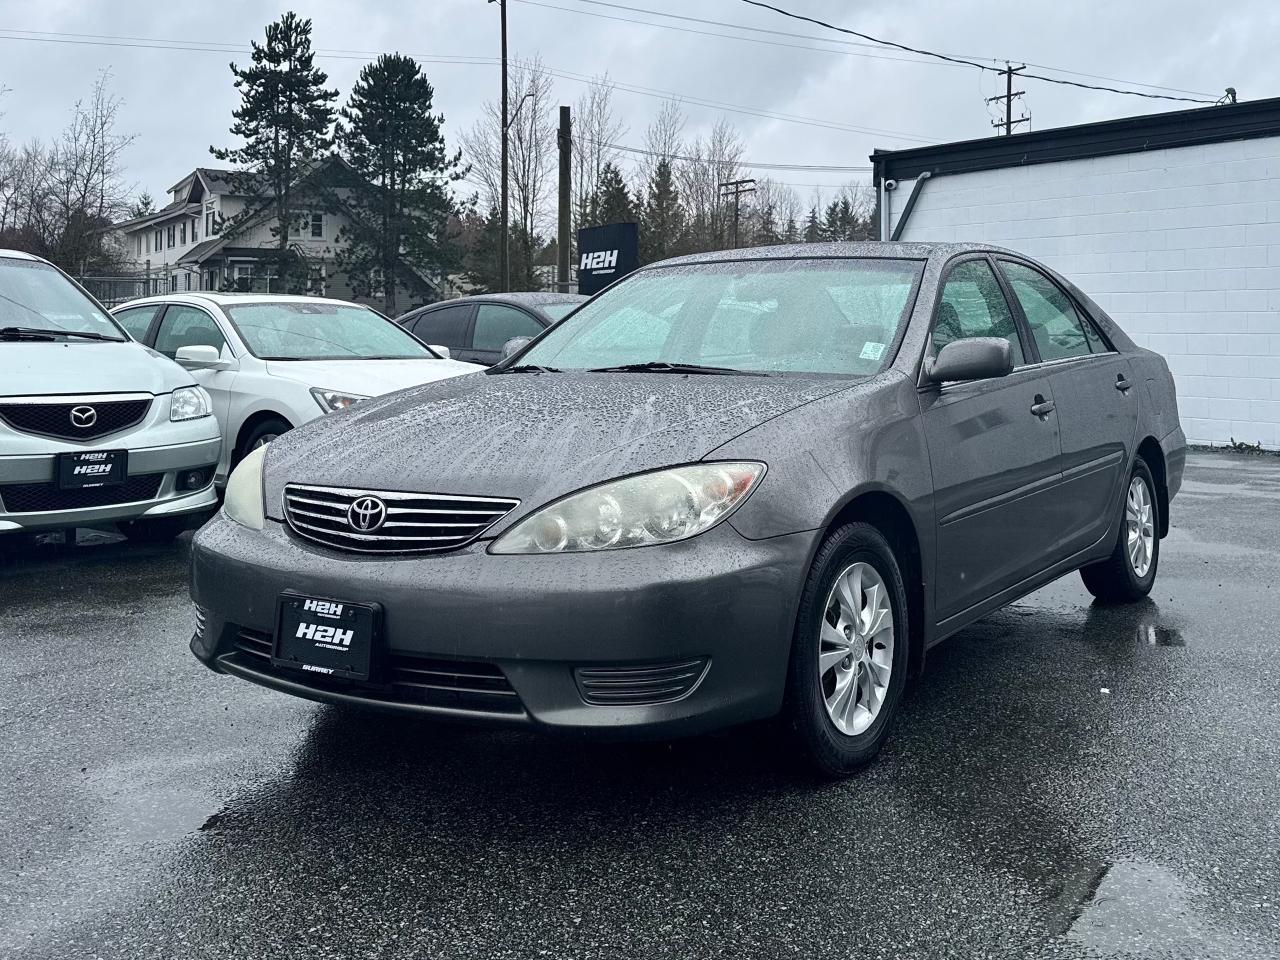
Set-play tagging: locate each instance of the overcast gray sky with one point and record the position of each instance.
(178, 102)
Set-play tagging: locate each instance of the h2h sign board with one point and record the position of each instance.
(605, 254)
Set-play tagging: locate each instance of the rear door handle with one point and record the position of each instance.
(1042, 407)
(1122, 383)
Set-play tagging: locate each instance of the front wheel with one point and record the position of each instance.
(1130, 572)
(849, 654)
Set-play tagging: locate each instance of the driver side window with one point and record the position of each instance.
(973, 305)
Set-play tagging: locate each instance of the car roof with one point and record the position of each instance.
(20, 255)
(525, 298)
(879, 249)
(231, 299)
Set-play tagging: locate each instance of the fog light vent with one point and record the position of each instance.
(639, 684)
(196, 479)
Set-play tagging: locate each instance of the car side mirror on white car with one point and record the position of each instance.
(442, 350)
(514, 346)
(200, 356)
(972, 358)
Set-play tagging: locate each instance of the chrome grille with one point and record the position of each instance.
(414, 522)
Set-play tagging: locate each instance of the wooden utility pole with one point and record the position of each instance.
(735, 189)
(565, 142)
(1008, 97)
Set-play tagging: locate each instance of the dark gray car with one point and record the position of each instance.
(729, 486)
(475, 328)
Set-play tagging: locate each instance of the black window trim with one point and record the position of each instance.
(1029, 350)
(475, 315)
(1081, 313)
(423, 312)
(221, 327)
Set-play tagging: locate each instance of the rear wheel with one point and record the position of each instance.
(1130, 572)
(849, 654)
(154, 529)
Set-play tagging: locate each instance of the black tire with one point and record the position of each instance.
(154, 529)
(828, 750)
(1114, 580)
(270, 428)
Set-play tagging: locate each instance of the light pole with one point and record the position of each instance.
(504, 257)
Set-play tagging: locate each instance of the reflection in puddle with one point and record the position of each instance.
(1130, 907)
(1156, 636)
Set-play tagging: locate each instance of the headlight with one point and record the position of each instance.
(331, 400)
(188, 403)
(660, 507)
(243, 497)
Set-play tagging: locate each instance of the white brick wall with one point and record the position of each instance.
(1180, 246)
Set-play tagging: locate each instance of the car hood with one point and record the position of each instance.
(85, 367)
(533, 437)
(368, 378)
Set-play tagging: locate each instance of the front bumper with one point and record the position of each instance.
(532, 621)
(159, 497)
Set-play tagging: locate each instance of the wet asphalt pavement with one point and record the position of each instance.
(1065, 781)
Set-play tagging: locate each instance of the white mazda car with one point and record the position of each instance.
(271, 362)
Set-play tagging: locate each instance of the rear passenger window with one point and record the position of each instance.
(137, 320)
(445, 326)
(496, 324)
(973, 305)
(1059, 331)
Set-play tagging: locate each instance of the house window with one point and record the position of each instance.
(137, 239)
(172, 231)
(317, 226)
(147, 238)
(195, 229)
(159, 239)
(173, 280)
(182, 233)
(187, 280)
(210, 221)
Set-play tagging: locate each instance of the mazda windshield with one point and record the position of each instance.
(322, 331)
(37, 302)
(830, 316)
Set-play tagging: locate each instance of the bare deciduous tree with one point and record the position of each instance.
(595, 127)
(710, 162)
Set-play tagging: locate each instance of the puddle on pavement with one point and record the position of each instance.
(1129, 907)
(146, 805)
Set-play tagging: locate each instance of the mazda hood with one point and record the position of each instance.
(533, 437)
(84, 367)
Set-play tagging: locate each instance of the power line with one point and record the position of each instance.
(851, 43)
(971, 63)
(179, 45)
(807, 167)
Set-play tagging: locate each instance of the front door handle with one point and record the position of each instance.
(1122, 383)
(1042, 407)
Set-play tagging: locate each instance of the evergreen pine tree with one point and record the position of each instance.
(612, 202)
(813, 227)
(662, 225)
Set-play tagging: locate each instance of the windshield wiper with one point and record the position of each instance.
(663, 366)
(44, 333)
(529, 368)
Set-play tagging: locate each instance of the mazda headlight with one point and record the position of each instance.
(188, 403)
(660, 507)
(333, 400)
(242, 499)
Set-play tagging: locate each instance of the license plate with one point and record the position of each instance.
(92, 468)
(330, 638)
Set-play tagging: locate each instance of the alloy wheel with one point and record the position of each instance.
(1140, 521)
(855, 648)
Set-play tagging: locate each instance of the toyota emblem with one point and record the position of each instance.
(83, 417)
(366, 514)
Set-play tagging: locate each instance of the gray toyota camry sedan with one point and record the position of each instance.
(729, 487)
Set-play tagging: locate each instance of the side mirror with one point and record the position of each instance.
(201, 356)
(514, 346)
(442, 350)
(972, 358)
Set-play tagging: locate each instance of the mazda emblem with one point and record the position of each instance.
(366, 514)
(83, 417)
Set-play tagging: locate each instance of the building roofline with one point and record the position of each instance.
(1155, 131)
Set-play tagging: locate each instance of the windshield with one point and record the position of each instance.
(36, 296)
(763, 316)
(558, 311)
(322, 331)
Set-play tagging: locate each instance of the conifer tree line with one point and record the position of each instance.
(416, 207)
